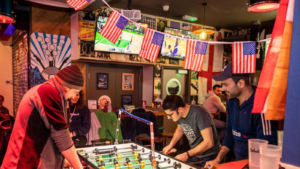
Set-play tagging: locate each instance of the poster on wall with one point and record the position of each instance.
(87, 30)
(48, 54)
(151, 21)
(186, 26)
(175, 25)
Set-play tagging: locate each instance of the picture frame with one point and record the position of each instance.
(128, 81)
(126, 100)
(102, 81)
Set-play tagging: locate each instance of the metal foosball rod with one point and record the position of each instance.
(175, 166)
(132, 147)
(119, 156)
(102, 143)
(112, 153)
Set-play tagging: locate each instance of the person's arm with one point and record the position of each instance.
(217, 102)
(228, 143)
(265, 129)
(206, 144)
(222, 153)
(72, 157)
(177, 135)
(86, 123)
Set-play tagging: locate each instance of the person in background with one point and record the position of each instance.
(242, 124)
(40, 136)
(196, 123)
(3, 109)
(214, 105)
(79, 120)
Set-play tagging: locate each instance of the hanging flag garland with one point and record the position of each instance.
(151, 44)
(243, 57)
(195, 55)
(77, 4)
(114, 27)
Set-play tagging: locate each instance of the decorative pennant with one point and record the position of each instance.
(78, 4)
(114, 26)
(243, 57)
(195, 55)
(151, 44)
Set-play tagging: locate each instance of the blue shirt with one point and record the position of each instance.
(243, 125)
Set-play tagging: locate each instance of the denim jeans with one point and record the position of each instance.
(204, 160)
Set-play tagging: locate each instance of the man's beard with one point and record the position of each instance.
(236, 93)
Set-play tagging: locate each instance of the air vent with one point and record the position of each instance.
(134, 15)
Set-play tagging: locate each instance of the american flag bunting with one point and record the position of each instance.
(195, 55)
(243, 57)
(77, 4)
(114, 27)
(151, 44)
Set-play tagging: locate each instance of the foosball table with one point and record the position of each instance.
(127, 156)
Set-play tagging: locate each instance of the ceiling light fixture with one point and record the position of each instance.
(203, 32)
(262, 5)
(7, 14)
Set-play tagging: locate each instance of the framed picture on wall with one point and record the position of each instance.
(102, 81)
(127, 81)
(126, 100)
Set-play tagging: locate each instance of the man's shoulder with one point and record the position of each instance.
(197, 109)
(47, 89)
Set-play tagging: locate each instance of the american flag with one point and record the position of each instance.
(243, 57)
(195, 55)
(114, 26)
(151, 44)
(77, 4)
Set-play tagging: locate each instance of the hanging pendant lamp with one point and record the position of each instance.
(203, 32)
(262, 5)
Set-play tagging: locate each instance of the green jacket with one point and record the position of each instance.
(108, 123)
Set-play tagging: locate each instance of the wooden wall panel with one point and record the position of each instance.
(51, 21)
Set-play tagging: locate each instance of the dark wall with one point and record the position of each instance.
(114, 90)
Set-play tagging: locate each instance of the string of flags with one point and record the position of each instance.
(77, 4)
(244, 53)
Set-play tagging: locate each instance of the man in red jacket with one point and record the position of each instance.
(40, 137)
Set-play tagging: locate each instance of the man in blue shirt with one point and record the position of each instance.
(242, 124)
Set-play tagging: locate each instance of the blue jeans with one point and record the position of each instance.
(204, 160)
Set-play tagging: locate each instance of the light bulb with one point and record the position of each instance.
(203, 35)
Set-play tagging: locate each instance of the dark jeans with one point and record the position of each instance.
(79, 141)
(204, 160)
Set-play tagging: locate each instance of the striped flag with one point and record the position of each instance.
(243, 57)
(77, 4)
(151, 44)
(268, 70)
(114, 27)
(213, 65)
(276, 102)
(195, 55)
